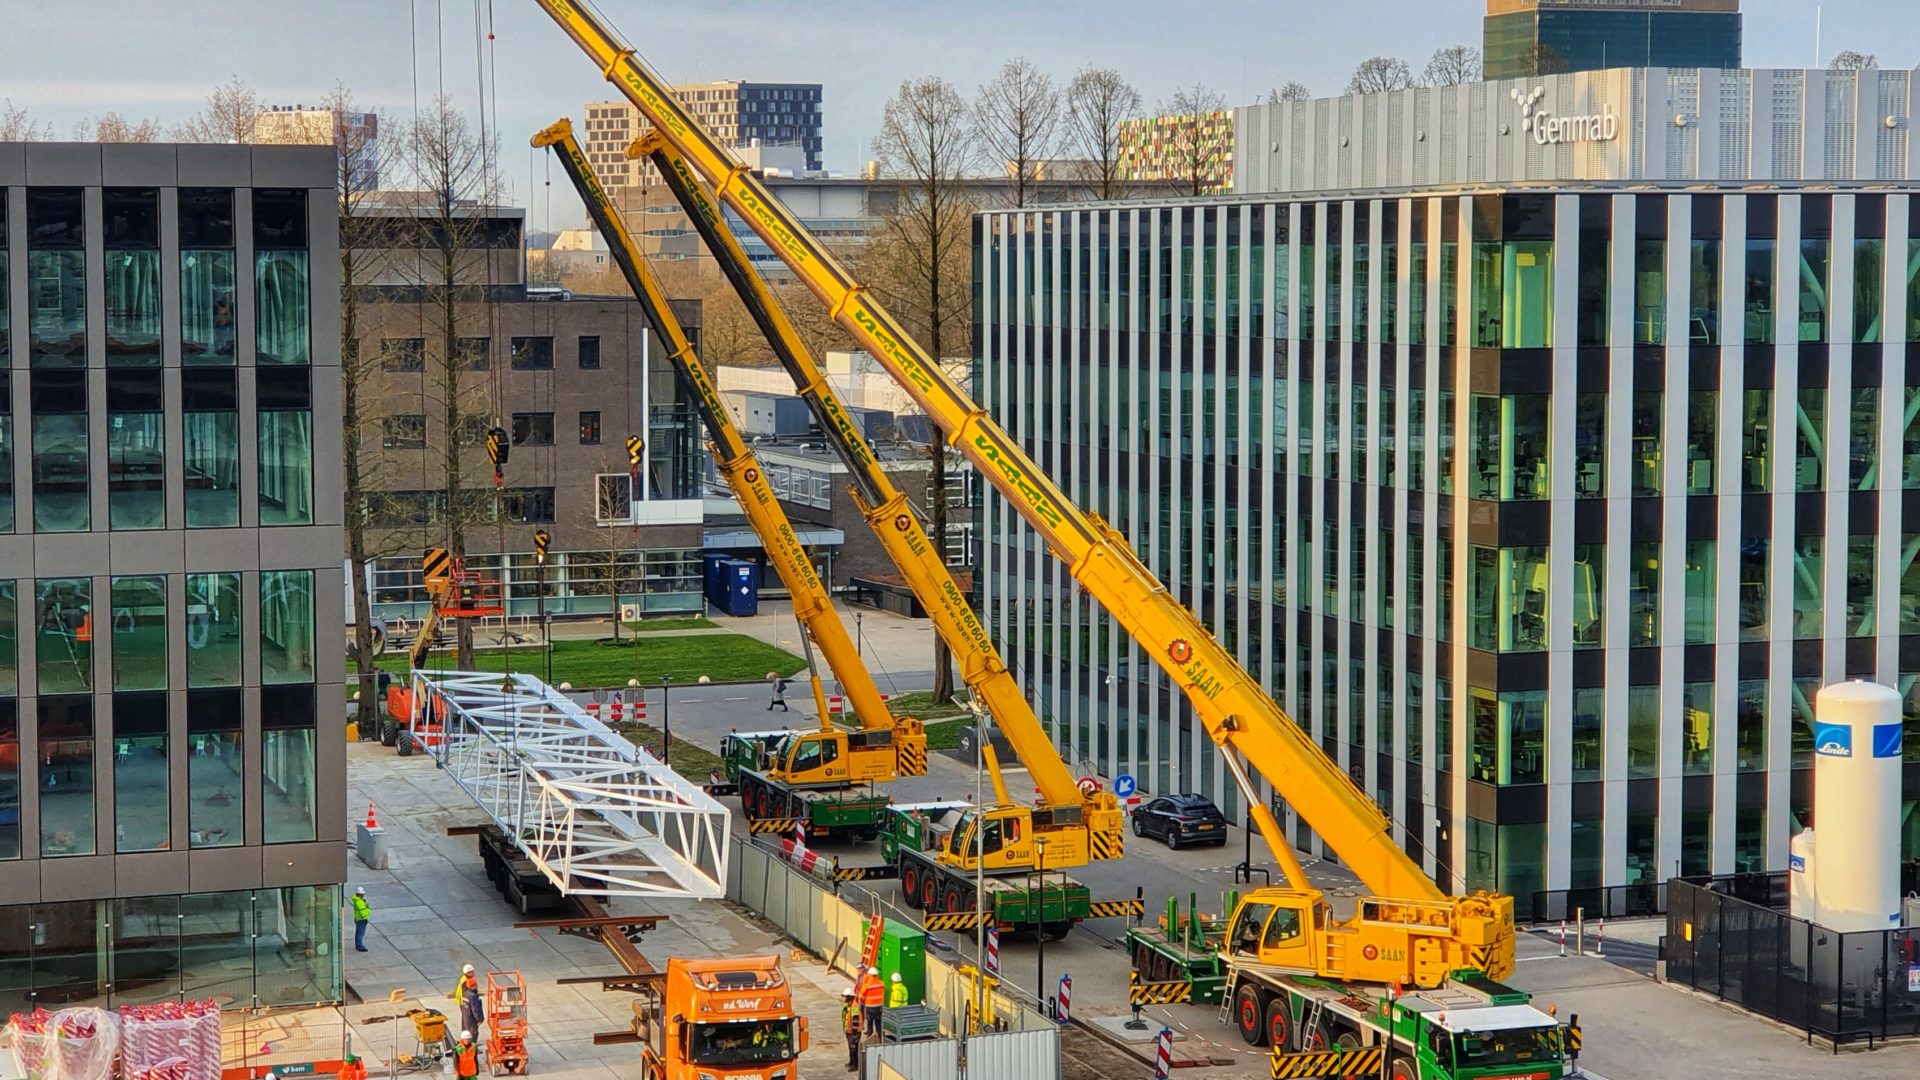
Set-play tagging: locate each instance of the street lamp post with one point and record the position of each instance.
(546, 621)
(1040, 953)
(859, 640)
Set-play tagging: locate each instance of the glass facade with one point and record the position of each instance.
(1530, 42)
(1401, 533)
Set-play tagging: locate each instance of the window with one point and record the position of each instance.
(6, 295)
(1596, 229)
(286, 448)
(210, 423)
(531, 506)
(1523, 599)
(9, 778)
(139, 633)
(63, 635)
(280, 287)
(216, 780)
(1509, 737)
(9, 639)
(131, 223)
(61, 501)
(406, 431)
(1869, 257)
(403, 354)
(286, 626)
(1703, 421)
(1759, 292)
(56, 277)
(1813, 286)
(1527, 312)
(66, 775)
(1703, 289)
(136, 451)
(287, 721)
(1809, 587)
(1650, 290)
(590, 429)
(1750, 726)
(6, 417)
(206, 276)
(473, 353)
(1643, 732)
(613, 499)
(1863, 451)
(1589, 733)
(1756, 437)
(1649, 422)
(533, 354)
(142, 810)
(1589, 596)
(533, 429)
(1696, 729)
(589, 353)
(1702, 574)
(1590, 446)
(1810, 441)
(1643, 593)
(1755, 571)
(1510, 444)
(213, 630)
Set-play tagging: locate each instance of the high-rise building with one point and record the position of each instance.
(739, 114)
(172, 774)
(1550, 37)
(1192, 153)
(1540, 447)
(356, 134)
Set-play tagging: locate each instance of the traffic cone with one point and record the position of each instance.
(372, 822)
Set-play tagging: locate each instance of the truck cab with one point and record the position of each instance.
(1497, 1041)
(729, 1019)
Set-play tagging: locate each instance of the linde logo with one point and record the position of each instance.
(1549, 129)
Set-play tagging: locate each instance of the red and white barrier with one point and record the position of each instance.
(837, 704)
(1163, 1054)
(617, 710)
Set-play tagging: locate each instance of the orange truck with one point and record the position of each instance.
(729, 1019)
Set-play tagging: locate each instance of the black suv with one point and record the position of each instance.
(1181, 820)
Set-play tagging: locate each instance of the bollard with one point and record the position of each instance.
(1063, 1011)
(1563, 937)
(1580, 931)
(1163, 1054)
(1600, 939)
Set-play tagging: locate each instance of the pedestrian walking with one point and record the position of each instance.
(850, 1027)
(779, 700)
(361, 915)
(872, 997)
(466, 994)
(466, 1057)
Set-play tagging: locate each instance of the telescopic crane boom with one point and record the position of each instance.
(1414, 931)
(887, 746)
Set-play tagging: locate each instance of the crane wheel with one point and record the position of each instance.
(1247, 1015)
(1401, 1067)
(910, 886)
(953, 898)
(928, 886)
(1279, 1022)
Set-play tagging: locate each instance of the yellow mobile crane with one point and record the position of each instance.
(937, 867)
(785, 778)
(1412, 930)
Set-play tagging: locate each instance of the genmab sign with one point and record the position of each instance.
(1549, 129)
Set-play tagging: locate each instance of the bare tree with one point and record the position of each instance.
(1290, 91)
(1378, 74)
(1540, 59)
(1453, 65)
(227, 118)
(1854, 61)
(111, 127)
(453, 167)
(1017, 115)
(1197, 142)
(1099, 100)
(16, 125)
(923, 256)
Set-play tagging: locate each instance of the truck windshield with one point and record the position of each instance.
(747, 1042)
(1516, 1046)
(961, 841)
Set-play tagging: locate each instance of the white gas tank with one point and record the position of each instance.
(1856, 806)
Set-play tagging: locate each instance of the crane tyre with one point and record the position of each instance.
(928, 886)
(1247, 1015)
(1279, 1022)
(910, 886)
(1401, 1067)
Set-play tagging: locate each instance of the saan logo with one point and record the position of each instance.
(1549, 130)
(1833, 740)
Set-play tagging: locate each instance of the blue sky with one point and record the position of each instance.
(158, 58)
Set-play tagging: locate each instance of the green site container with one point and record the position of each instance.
(903, 949)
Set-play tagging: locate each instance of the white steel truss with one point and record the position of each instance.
(596, 814)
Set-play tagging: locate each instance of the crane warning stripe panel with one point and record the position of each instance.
(1116, 909)
(1157, 993)
(1364, 1062)
(954, 920)
(865, 873)
(776, 825)
(437, 565)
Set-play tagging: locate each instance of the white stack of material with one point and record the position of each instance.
(172, 1040)
(72, 1044)
(1856, 806)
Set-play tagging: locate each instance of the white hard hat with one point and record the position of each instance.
(848, 992)
(360, 891)
(896, 976)
(466, 1035)
(466, 969)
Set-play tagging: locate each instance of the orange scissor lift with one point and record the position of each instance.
(506, 1023)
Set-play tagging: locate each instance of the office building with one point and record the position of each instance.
(1544, 499)
(1185, 153)
(1549, 37)
(357, 135)
(739, 114)
(172, 777)
(570, 377)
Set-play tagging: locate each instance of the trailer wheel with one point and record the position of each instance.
(928, 885)
(1247, 1015)
(1348, 1039)
(1279, 1022)
(1401, 1067)
(910, 886)
(953, 898)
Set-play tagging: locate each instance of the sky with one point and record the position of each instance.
(72, 60)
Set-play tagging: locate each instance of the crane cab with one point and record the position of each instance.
(1276, 927)
(834, 757)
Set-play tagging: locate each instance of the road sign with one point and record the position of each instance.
(1123, 785)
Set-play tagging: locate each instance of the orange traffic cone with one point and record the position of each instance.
(372, 822)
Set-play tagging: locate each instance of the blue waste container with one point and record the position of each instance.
(742, 596)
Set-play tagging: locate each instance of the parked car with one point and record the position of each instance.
(1181, 819)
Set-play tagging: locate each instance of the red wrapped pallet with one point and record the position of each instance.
(172, 1040)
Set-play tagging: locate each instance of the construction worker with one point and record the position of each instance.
(352, 1068)
(466, 1058)
(466, 994)
(897, 993)
(361, 913)
(872, 997)
(850, 1027)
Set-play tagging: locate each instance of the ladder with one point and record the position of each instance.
(870, 951)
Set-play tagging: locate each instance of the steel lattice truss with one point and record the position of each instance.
(597, 815)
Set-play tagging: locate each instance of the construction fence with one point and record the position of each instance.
(832, 926)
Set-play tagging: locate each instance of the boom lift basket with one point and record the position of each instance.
(470, 596)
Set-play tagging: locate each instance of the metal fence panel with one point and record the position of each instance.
(1013, 1055)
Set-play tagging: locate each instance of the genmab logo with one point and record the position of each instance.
(1549, 129)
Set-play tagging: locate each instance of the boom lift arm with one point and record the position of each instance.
(899, 741)
(1422, 927)
(1082, 825)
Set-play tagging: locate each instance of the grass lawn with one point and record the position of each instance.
(686, 622)
(945, 734)
(688, 760)
(720, 657)
(919, 704)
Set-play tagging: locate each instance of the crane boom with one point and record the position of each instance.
(735, 461)
(1237, 714)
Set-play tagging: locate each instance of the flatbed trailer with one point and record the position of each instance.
(1182, 947)
(839, 811)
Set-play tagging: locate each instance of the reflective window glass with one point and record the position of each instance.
(1862, 574)
(9, 779)
(1869, 263)
(1755, 575)
(6, 429)
(56, 277)
(216, 779)
(286, 626)
(1809, 586)
(287, 723)
(1649, 427)
(66, 775)
(1589, 596)
(139, 633)
(9, 639)
(1643, 593)
(1650, 291)
(286, 449)
(1702, 575)
(1863, 449)
(63, 635)
(1590, 446)
(1589, 733)
(1703, 425)
(136, 451)
(210, 424)
(213, 630)
(1756, 440)
(131, 223)
(1643, 732)
(60, 472)
(1759, 291)
(282, 319)
(1750, 726)
(1814, 303)
(207, 331)
(1810, 440)
(142, 811)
